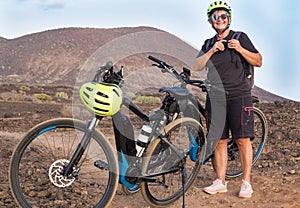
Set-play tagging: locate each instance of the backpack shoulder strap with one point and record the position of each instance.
(249, 69)
(209, 43)
(236, 35)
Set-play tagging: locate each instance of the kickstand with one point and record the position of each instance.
(183, 172)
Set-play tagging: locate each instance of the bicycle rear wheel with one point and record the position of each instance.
(234, 168)
(36, 164)
(159, 158)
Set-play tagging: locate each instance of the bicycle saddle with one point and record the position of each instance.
(177, 92)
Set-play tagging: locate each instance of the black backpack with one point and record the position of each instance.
(249, 69)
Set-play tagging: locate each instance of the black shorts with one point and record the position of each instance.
(232, 116)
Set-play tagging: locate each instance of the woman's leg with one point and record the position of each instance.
(220, 159)
(220, 162)
(245, 151)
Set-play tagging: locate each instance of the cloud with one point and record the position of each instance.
(55, 4)
(47, 4)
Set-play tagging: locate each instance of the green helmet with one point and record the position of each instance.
(102, 99)
(218, 5)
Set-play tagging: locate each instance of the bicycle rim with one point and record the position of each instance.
(234, 168)
(36, 163)
(159, 157)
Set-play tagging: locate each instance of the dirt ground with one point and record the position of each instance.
(275, 177)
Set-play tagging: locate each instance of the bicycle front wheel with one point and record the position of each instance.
(160, 159)
(38, 160)
(234, 167)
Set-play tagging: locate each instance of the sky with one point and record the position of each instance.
(272, 25)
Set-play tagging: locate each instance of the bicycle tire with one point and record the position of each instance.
(44, 150)
(234, 168)
(157, 194)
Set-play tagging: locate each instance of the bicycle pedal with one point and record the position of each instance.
(101, 165)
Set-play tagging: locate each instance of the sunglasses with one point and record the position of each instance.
(222, 16)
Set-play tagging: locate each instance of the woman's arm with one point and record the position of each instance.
(254, 59)
(203, 59)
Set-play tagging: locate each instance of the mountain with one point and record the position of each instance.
(62, 56)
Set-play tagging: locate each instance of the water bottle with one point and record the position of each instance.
(142, 139)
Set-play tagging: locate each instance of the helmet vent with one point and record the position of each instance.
(102, 103)
(84, 100)
(89, 89)
(87, 95)
(99, 109)
(102, 95)
(115, 91)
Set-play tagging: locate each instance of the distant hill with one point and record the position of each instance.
(2, 40)
(59, 56)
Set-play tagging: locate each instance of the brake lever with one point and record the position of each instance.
(121, 72)
(158, 65)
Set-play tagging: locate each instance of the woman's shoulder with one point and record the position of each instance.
(208, 43)
(237, 34)
(244, 40)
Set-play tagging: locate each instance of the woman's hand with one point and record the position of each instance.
(218, 46)
(234, 44)
(254, 59)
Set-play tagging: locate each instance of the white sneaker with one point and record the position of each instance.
(246, 190)
(218, 186)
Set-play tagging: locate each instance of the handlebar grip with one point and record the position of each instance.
(160, 62)
(152, 58)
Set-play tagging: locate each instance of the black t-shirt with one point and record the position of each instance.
(226, 70)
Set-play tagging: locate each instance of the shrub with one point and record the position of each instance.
(43, 96)
(61, 95)
(148, 100)
(25, 88)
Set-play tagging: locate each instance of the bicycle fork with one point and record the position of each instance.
(85, 140)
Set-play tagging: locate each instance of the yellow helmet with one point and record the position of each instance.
(218, 5)
(102, 99)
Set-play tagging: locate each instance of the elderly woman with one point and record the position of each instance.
(227, 58)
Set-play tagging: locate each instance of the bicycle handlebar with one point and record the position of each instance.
(162, 64)
(169, 68)
(185, 78)
(106, 73)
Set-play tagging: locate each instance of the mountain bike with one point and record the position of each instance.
(234, 168)
(67, 162)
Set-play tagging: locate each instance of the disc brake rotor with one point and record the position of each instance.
(55, 174)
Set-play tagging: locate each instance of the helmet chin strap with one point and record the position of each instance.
(219, 34)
